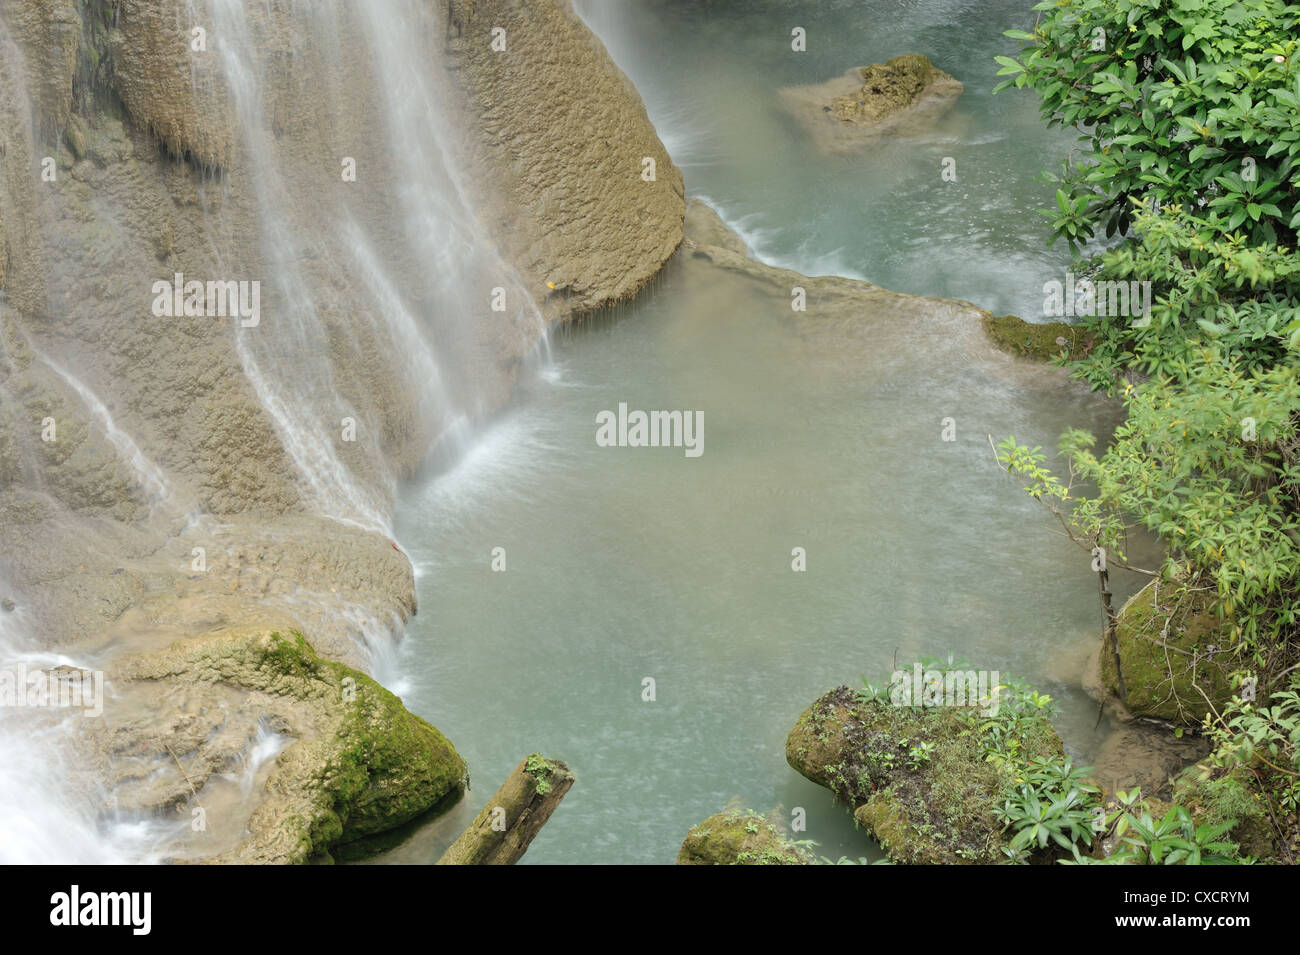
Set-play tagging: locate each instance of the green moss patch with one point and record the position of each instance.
(362, 764)
(740, 837)
(1170, 648)
(1040, 342)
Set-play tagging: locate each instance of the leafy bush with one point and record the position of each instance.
(1210, 465)
(1052, 801)
(1267, 738)
(1172, 839)
(1205, 289)
(1188, 115)
(1187, 102)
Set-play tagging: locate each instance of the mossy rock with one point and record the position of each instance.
(939, 810)
(1041, 342)
(1216, 795)
(383, 766)
(889, 88)
(740, 838)
(361, 765)
(1168, 649)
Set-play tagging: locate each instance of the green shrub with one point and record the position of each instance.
(1206, 289)
(1187, 102)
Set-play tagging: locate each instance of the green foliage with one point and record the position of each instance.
(541, 769)
(1266, 737)
(1046, 800)
(1187, 102)
(1188, 115)
(1174, 839)
(1208, 464)
(1052, 802)
(1022, 712)
(1206, 289)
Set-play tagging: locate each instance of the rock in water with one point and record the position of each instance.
(903, 96)
(357, 763)
(1171, 653)
(916, 778)
(890, 88)
(740, 838)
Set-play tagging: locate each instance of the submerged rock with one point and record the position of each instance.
(1143, 756)
(739, 837)
(903, 95)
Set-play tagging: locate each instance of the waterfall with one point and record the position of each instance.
(374, 311)
(276, 355)
(148, 476)
(43, 818)
(400, 248)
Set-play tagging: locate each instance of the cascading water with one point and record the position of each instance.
(275, 361)
(263, 748)
(43, 817)
(147, 474)
(414, 267)
(374, 295)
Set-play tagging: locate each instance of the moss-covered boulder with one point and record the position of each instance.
(891, 87)
(916, 778)
(740, 837)
(1040, 342)
(904, 96)
(1171, 649)
(358, 764)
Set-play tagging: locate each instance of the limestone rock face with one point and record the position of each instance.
(570, 148)
(163, 476)
(901, 97)
(166, 86)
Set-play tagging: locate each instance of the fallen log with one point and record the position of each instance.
(501, 833)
